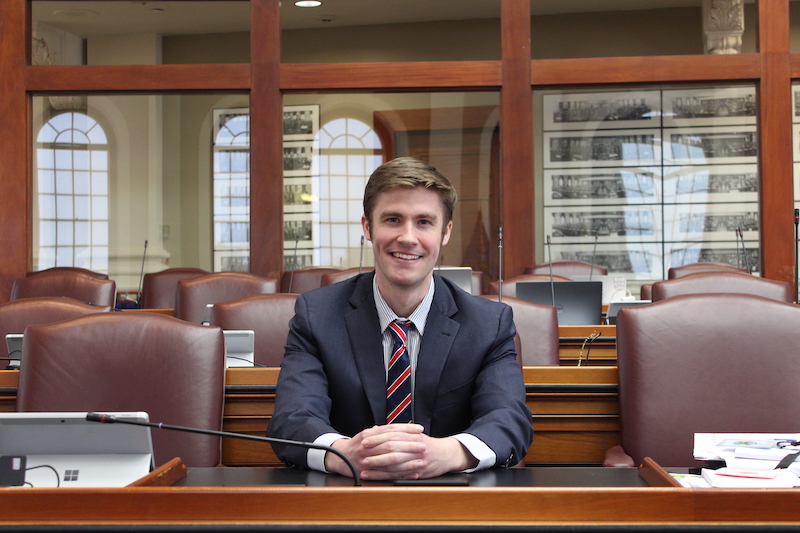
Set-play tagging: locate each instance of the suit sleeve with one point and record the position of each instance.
(500, 416)
(302, 403)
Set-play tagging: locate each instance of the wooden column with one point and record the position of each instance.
(775, 142)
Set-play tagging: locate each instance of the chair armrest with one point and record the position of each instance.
(616, 457)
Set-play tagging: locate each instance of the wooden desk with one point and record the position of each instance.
(600, 351)
(244, 507)
(575, 412)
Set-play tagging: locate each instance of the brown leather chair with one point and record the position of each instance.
(98, 275)
(336, 277)
(267, 315)
(716, 282)
(646, 291)
(510, 284)
(537, 328)
(195, 294)
(305, 279)
(17, 315)
(691, 364)
(568, 269)
(173, 370)
(160, 289)
(76, 285)
(478, 283)
(693, 268)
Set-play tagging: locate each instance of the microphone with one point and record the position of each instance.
(110, 419)
(594, 250)
(796, 222)
(550, 263)
(500, 263)
(744, 252)
(738, 255)
(361, 255)
(294, 263)
(141, 278)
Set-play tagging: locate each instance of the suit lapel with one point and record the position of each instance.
(440, 333)
(363, 329)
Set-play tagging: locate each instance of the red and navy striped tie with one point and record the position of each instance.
(398, 381)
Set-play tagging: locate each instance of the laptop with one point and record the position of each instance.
(240, 347)
(66, 450)
(614, 307)
(14, 345)
(577, 302)
(461, 276)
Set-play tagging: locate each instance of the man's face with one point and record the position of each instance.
(407, 233)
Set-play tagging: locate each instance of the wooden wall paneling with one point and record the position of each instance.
(266, 140)
(516, 139)
(15, 193)
(776, 187)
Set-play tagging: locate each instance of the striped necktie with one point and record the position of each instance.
(398, 380)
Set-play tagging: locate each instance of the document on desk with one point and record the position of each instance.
(739, 478)
(747, 451)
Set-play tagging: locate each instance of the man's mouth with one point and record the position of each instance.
(405, 256)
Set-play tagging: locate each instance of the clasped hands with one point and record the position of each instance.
(399, 451)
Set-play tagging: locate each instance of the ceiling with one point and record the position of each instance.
(95, 18)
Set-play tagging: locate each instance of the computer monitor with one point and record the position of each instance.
(14, 345)
(461, 276)
(577, 302)
(240, 347)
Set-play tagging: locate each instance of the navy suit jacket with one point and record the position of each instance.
(467, 380)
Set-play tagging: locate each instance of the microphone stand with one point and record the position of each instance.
(550, 263)
(108, 419)
(141, 278)
(500, 264)
(796, 222)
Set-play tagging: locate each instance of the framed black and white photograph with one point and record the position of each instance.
(641, 260)
(602, 186)
(609, 223)
(712, 106)
(612, 148)
(302, 258)
(711, 183)
(300, 158)
(711, 145)
(300, 195)
(300, 227)
(602, 110)
(796, 102)
(710, 222)
(300, 122)
(728, 253)
(232, 261)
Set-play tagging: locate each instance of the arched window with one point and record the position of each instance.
(349, 151)
(72, 190)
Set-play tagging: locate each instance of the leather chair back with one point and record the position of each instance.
(510, 284)
(98, 275)
(336, 277)
(646, 291)
(173, 370)
(160, 289)
(693, 268)
(690, 364)
(478, 283)
(537, 328)
(76, 285)
(305, 279)
(717, 282)
(268, 315)
(195, 294)
(17, 315)
(568, 269)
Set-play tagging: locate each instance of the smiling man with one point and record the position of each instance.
(401, 370)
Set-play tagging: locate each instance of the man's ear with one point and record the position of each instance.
(365, 227)
(447, 230)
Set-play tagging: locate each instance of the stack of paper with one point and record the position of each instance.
(751, 459)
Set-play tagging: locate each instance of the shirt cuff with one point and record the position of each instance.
(479, 450)
(316, 458)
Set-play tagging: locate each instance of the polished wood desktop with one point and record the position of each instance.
(281, 499)
(575, 413)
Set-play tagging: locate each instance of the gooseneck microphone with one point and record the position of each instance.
(141, 278)
(594, 251)
(550, 263)
(744, 252)
(294, 263)
(796, 222)
(110, 419)
(500, 263)
(361, 255)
